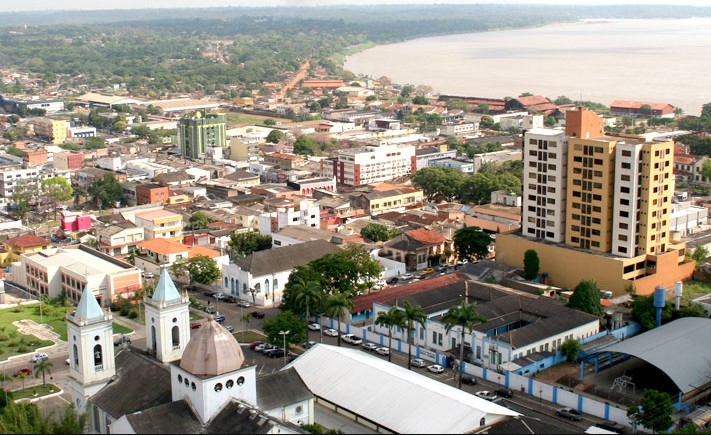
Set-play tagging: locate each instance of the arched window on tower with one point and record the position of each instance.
(98, 358)
(176, 337)
(266, 288)
(75, 351)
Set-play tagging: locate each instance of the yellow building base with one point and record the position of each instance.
(567, 266)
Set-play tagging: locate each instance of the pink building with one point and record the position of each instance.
(73, 221)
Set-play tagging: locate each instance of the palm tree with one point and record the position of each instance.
(306, 295)
(412, 314)
(339, 306)
(465, 316)
(44, 367)
(246, 318)
(392, 318)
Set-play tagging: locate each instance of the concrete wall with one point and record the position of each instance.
(566, 267)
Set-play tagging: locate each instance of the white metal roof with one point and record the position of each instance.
(680, 349)
(398, 399)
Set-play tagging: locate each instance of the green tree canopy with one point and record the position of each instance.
(700, 254)
(654, 411)
(24, 192)
(285, 321)
(413, 315)
(349, 270)
(201, 269)
(471, 243)
(305, 145)
(244, 244)
(438, 182)
(586, 297)
(275, 136)
(57, 189)
(531, 264)
(464, 316)
(377, 232)
(199, 220)
(106, 191)
(94, 143)
(339, 306)
(570, 348)
(393, 318)
(269, 122)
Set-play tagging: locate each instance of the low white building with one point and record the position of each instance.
(260, 278)
(307, 213)
(518, 323)
(687, 218)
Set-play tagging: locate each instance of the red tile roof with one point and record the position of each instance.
(27, 241)
(533, 100)
(623, 104)
(426, 237)
(365, 302)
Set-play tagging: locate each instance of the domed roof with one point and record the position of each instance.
(212, 351)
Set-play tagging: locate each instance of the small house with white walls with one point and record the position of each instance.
(179, 384)
(260, 277)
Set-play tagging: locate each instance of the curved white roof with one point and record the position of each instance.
(680, 349)
(398, 399)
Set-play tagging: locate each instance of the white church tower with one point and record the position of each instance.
(91, 349)
(167, 320)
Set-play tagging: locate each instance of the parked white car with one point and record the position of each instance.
(352, 339)
(436, 368)
(370, 346)
(383, 351)
(330, 332)
(39, 357)
(314, 326)
(418, 362)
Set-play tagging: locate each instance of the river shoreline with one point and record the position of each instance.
(653, 60)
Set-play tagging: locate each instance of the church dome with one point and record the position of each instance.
(212, 351)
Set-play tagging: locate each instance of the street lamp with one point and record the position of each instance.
(284, 334)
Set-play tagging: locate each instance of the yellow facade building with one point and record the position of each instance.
(53, 130)
(618, 195)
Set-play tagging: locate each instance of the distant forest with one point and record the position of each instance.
(158, 51)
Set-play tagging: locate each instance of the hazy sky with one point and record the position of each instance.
(28, 5)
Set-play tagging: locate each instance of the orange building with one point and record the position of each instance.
(151, 194)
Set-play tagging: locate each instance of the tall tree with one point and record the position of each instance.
(377, 232)
(200, 268)
(305, 145)
(392, 318)
(439, 183)
(307, 296)
(700, 254)
(275, 136)
(244, 244)
(413, 314)
(105, 191)
(57, 189)
(586, 297)
(531, 264)
(25, 191)
(44, 367)
(466, 317)
(285, 321)
(570, 348)
(339, 307)
(471, 243)
(199, 220)
(654, 411)
(348, 270)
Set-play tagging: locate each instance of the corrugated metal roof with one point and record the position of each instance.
(398, 399)
(677, 348)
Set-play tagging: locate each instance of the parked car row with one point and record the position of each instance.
(270, 350)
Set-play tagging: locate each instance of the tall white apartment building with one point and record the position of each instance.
(372, 164)
(626, 209)
(306, 213)
(544, 184)
(11, 175)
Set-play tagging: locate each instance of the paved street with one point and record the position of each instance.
(524, 403)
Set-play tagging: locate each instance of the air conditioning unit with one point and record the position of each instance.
(690, 231)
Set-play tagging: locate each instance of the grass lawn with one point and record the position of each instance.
(13, 343)
(694, 289)
(245, 337)
(194, 316)
(237, 118)
(36, 391)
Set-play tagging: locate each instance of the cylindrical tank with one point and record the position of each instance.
(678, 290)
(660, 297)
(659, 302)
